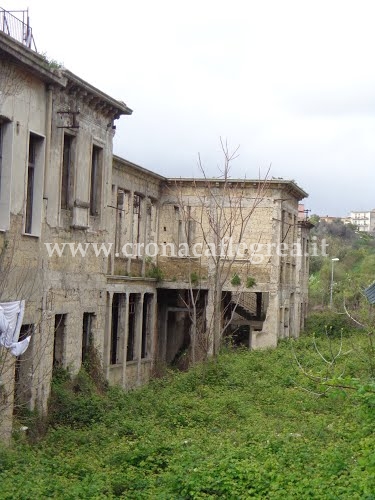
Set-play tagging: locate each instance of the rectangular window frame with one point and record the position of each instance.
(34, 184)
(88, 322)
(6, 157)
(96, 180)
(67, 171)
(59, 340)
(131, 354)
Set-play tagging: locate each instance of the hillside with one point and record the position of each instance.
(246, 426)
(354, 271)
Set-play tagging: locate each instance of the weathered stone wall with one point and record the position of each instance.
(132, 206)
(270, 234)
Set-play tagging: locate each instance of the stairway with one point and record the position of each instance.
(247, 304)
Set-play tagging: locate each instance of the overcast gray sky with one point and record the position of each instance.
(291, 82)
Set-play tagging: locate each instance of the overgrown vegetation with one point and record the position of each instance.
(354, 271)
(327, 322)
(51, 63)
(250, 282)
(154, 271)
(236, 280)
(246, 425)
(295, 422)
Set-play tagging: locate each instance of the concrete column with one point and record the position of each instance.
(163, 325)
(153, 328)
(125, 339)
(138, 338)
(108, 334)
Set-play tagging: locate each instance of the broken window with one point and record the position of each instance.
(30, 185)
(130, 349)
(120, 218)
(115, 329)
(6, 134)
(186, 227)
(59, 340)
(67, 177)
(150, 221)
(96, 180)
(146, 325)
(34, 187)
(87, 334)
(137, 212)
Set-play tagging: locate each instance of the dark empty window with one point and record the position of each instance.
(30, 184)
(130, 354)
(59, 340)
(96, 180)
(34, 184)
(115, 329)
(67, 177)
(146, 325)
(87, 336)
(137, 203)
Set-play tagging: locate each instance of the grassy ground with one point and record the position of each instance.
(241, 427)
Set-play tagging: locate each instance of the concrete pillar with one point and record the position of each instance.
(138, 338)
(125, 339)
(153, 328)
(108, 334)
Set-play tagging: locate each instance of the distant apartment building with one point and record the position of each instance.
(363, 220)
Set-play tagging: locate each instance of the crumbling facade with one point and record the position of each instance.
(83, 234)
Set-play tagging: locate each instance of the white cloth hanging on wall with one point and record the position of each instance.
(11, 316)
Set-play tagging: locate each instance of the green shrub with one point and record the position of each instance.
(194, 278)
(236, 280)
(155, 272)
(250, 282)
(328, 322)
(75, 402)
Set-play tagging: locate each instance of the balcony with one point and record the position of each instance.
(16, 24)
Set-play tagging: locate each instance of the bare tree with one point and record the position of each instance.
(332, 374)
(217, 216)
(21, 279)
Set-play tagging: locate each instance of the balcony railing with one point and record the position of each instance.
(16, 24)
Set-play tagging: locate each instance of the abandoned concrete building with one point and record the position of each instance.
(61, 186)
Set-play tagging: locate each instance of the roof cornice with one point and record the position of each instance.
(76, 83)
(32, 61)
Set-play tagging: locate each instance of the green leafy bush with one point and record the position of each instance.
(155, 272)
(229, 428)
(236, 280)
(328, 322)
(194, 278)
(250, 282)
(75, 402)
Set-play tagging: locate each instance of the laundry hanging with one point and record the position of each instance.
(11, 316)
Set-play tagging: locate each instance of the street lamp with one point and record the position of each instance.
(335, 259)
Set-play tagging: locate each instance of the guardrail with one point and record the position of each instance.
(17, 28)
